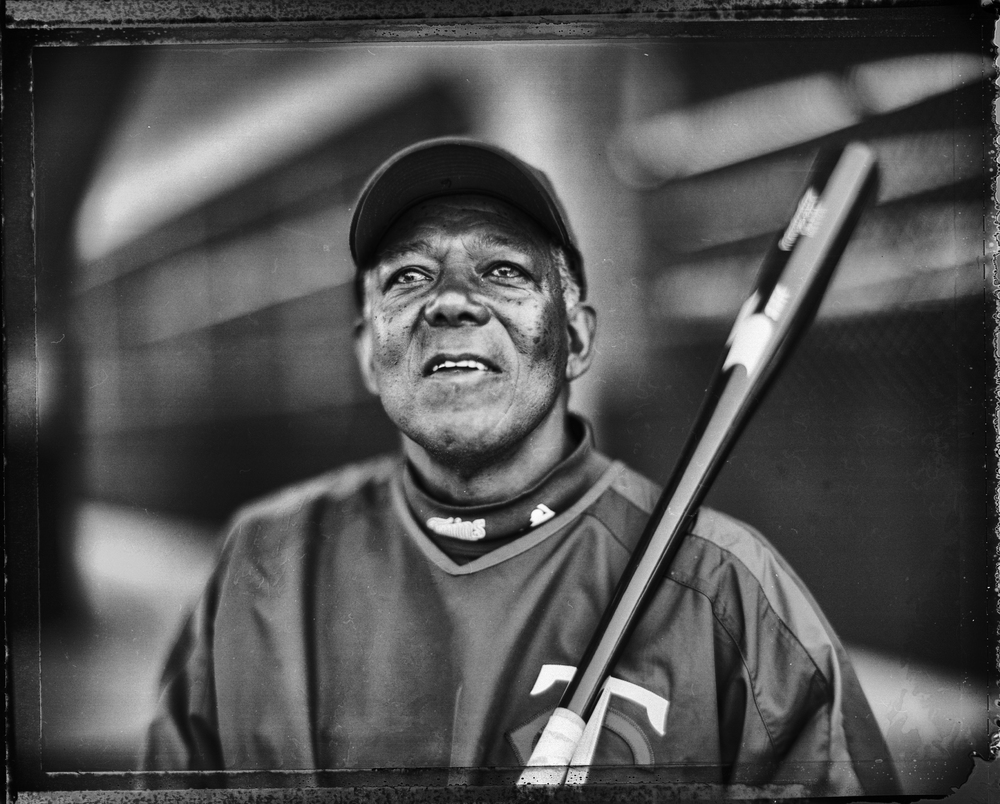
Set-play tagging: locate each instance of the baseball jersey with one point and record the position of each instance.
(336, 633)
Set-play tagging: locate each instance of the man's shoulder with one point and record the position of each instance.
(355, 484)
(738, 569)
(269, 538)
(720, 543)
(634, 488)
(717, 544)
(737, 540)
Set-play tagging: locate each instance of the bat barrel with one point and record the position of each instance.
(788, 291)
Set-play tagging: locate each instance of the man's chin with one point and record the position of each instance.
(463, 440)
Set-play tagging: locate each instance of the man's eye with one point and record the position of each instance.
(407, 276)
(506, 271)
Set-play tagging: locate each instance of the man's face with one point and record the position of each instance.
(466, 337)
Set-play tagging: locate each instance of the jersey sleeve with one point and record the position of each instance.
(801, 725)
(183, 734)
(236, 692)
(838, 750)
(792, 712)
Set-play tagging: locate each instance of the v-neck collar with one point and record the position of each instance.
(466, 532)
(506, 551)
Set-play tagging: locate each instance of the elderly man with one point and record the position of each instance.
(427, 610)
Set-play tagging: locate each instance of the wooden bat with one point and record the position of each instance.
(790, 285)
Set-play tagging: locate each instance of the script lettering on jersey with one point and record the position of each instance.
(458, 528)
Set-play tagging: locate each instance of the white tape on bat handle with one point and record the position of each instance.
(554, 749)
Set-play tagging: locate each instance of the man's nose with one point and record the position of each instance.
(455, 303)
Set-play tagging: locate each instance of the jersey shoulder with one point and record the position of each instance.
(723, 558)
(283, 522)
(630, 498)
(719, 543)
(624, 504)
(741, 572)
(637, 489)
(336, 486)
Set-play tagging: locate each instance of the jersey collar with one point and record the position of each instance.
(467, 532)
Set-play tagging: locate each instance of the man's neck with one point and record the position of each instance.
(499, 479)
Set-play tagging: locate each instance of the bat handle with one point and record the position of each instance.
(554, 750)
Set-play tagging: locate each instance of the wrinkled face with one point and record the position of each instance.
(466, 337)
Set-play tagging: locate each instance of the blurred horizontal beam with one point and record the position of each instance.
(138, 188)
(327, 176)
(746, 125)
(755, 198)
(206, 467)
(264, 377)
(295, 357)
(203, 288)
(901, 254)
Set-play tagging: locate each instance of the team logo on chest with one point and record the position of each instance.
(640, 724)
(639, 741)
(458, 528)
(655, 705)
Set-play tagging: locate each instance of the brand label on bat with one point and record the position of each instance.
(806, 220)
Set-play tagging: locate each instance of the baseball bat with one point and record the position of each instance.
(785, 298)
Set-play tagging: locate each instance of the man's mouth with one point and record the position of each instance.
(458, 364)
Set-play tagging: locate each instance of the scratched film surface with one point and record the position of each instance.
(195, 314)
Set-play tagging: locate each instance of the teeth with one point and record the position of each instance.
(460, 364)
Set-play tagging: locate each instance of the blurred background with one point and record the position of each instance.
(194, 317)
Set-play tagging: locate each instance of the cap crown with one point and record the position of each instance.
(453, 166)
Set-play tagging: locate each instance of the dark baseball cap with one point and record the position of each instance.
(453, 166)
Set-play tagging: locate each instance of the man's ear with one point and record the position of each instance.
(364, 351)
(581, 325)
